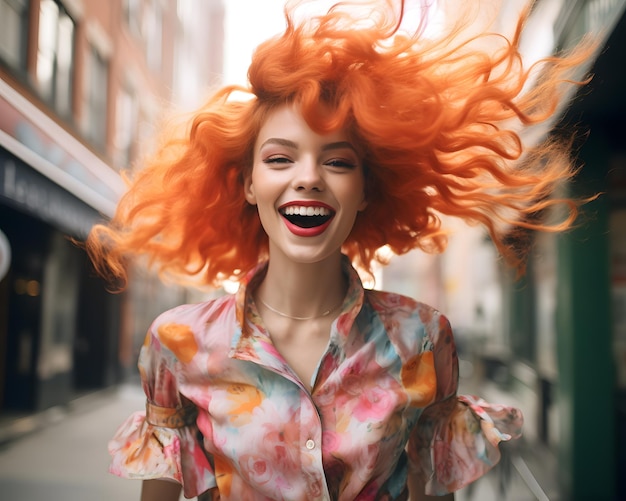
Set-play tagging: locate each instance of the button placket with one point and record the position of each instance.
(311, 440)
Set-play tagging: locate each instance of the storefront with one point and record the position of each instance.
(59, 327)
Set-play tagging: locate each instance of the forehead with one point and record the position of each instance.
(287, 122)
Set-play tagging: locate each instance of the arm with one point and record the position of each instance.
(160, 490)
(416, 491)
(456, 437)
(438, 372)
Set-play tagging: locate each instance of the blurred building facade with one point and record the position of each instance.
(554, 342)
(81, 85)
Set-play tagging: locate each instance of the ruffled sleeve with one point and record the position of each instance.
(456, 438)
(162, 442)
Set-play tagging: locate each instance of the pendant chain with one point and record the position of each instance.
(324, 314)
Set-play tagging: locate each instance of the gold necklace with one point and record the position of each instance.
(326, 313)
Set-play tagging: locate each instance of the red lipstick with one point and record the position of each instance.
(306, 218)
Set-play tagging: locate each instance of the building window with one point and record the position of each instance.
(132, 16)
(96, 98)
(13, 32)
(126, 128)
(55, 56)
(153, 34)
(145, 23)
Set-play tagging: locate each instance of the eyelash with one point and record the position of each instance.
(335, 162)
(341, 163)
(276, 160)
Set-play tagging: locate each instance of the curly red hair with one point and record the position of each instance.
(438, 118)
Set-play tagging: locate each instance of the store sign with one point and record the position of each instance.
(25, 189)
(42, 143)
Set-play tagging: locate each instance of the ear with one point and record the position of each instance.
(248, 189)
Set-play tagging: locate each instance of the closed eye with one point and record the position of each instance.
(276, 159)
(340, 163)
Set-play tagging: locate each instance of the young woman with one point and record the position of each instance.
(304, 385)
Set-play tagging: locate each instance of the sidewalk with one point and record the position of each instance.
(66, 459)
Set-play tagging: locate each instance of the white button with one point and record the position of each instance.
(310, 444)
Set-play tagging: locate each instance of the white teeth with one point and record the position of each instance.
(296, 210)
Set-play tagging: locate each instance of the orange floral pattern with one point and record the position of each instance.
(419, 379)
(180, 340)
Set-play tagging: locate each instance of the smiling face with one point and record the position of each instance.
(308, 188)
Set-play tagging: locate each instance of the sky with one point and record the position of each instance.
(248, 23)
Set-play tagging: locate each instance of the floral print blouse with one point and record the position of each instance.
(226, 413)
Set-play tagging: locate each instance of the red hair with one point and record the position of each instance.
(438, 119)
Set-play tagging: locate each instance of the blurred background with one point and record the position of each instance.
(82, 85)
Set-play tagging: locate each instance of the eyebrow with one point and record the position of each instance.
(291, 144)
(281, 142)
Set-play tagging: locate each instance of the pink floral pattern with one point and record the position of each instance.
(384, 392)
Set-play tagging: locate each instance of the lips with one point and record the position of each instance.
(307, 218)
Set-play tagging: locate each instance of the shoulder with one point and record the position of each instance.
(399, 307)
(212, 310)
(185, 328)
(408, 322)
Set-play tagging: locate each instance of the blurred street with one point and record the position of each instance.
(65, 457)
(67, 460)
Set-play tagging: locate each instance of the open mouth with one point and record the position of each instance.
(307, 216)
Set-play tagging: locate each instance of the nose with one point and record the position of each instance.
(308, 175)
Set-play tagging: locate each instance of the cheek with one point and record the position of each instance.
(264, 195)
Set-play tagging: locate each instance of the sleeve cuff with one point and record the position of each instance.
(141, 450)
(465, 446)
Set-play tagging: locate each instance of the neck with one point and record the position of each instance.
(303, 290)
